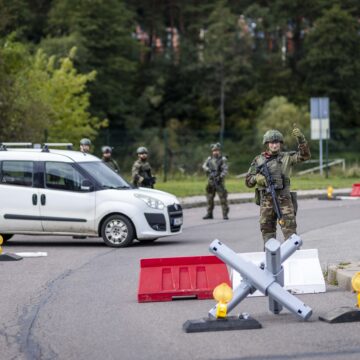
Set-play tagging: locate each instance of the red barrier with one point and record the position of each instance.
(355, 191)
(166, 279)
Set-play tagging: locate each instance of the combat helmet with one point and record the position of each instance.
(216, 146)
(85, 141)
(273, 135)
(106, 149)
(142, 150)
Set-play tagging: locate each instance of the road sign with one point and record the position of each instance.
(320, 125)
(320, 118)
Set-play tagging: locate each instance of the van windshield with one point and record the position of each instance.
(106, 177)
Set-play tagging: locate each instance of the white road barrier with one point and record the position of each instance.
(302, 272)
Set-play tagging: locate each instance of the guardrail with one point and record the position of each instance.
(313, 169)
(324, 166)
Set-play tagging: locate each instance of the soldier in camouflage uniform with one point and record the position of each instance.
(216, 169)
(141, 170)
(108, 160)
(279, 164)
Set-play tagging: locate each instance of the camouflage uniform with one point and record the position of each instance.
(111, 163)
(216, 169)
(107, 158)
(279, 166)
(141, 174)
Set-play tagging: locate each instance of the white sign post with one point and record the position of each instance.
(320, 123)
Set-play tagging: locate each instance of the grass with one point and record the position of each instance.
(196, 185)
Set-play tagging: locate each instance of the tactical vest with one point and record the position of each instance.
(145, 170)
(111, 164)
(215, 164)
(277, 171)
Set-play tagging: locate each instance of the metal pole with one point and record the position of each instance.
(320, 140)
(273, 265)
(165, 154)
(327, 154)
(46, 135)
(108, 141)
(222, 107)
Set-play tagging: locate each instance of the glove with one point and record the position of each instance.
(260, 180)
(299, 135)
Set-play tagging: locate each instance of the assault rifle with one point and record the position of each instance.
(149, 181)
(270, 189)
(215, 178)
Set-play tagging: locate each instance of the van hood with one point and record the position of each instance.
(165, 197)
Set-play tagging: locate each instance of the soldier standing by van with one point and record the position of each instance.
(141, 170)
(279, 164)
(216, 169)
(85, 145)
(108, 160)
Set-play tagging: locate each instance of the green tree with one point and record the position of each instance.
(67, 96)
(280, 114)
(42, 94)
(103, 31)
(331, 66)
(224, 59)
(26, 18)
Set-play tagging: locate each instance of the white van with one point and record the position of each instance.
(63, 192)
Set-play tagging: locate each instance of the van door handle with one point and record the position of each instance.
(43, 199)
(34, 199)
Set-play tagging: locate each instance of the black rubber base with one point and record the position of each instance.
(10, 257)
(324, 197)
(341, 315)
(230, 323)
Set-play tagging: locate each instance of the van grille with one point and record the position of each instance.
(175, 212)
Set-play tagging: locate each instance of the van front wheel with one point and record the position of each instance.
(117, 231)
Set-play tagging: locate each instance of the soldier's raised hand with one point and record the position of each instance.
(299, 135)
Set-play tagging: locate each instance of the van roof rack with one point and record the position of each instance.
(46, 146)
(5, 145)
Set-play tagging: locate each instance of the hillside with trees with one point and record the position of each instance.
(178, 75)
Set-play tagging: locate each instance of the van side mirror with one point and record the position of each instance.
(87, 185)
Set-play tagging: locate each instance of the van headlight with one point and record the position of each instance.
(151, 202)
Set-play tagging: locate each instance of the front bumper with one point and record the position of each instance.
(163, 224)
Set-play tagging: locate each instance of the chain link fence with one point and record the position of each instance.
(181, 152)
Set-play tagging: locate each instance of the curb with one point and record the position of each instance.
(342, 273)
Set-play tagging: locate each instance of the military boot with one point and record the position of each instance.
(208, 216)
(225, 214)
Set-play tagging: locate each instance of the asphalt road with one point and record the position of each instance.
(80, 301)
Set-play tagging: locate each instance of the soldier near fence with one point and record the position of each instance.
(280, 207)
(216, 169)
(141, 170)
(108, 159)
